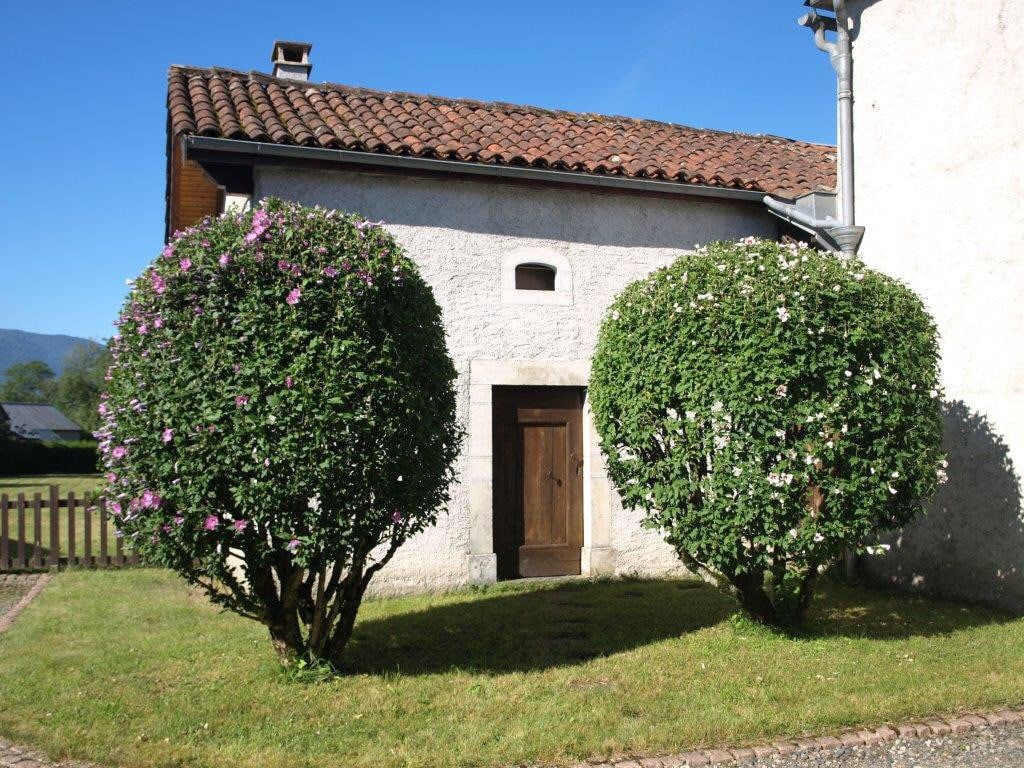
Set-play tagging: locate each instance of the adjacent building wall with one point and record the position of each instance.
(461, 234)
(939, 134)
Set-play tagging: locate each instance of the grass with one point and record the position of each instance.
(32, 484)
(132, 668)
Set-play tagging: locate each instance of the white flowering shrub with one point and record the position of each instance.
(280, 416)
(767, 406)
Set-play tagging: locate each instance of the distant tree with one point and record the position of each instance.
(29, 382)
(77, 391)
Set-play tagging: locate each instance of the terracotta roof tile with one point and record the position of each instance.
(255, 107)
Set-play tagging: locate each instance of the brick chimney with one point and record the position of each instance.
(291, 60)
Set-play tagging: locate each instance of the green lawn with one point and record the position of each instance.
(131, 668)
(80, 485)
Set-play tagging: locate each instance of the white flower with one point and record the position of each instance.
(847, 374)
(615, 315)
(858, 276)
(705, 297)
(818, 538)
(783, 314)
(792, 533)
(941, 476)
(933, 394)
(691, 415)
(736, 471)
(717, 406)
(313, 502)
(780, 433)
(892, 490)
(781, 391)
(876, 374)
(878, 549)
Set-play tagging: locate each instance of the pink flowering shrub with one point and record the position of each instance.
(768, 406)
(280, 415)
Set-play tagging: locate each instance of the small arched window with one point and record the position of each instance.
(535, 277)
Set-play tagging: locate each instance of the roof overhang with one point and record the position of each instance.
(211, 152)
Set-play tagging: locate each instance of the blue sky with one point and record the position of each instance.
(82, 132)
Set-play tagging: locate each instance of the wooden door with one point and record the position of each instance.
(538, 480)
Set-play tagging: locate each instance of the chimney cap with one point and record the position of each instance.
(291, 59)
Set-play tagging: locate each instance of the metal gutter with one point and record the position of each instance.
(211, 149)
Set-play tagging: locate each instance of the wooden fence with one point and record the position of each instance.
(55, 532)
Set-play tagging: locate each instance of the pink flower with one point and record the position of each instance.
(241, 400)
(330, 271)
(119, 452)
(224, 259)
(211, 523)
(185, 264)
(111, 477)
(179, 520)
(396, 516)
(168, 252)
(167, 435)
(292, 545)
(293, 296)
(260, 224)
(240, 525)
(158, 322)
(143, 329)
(159, 283)
(115, 507)
(288, 382)
(266, 462)
(151, 500)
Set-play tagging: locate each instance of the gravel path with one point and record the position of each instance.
(998, 747)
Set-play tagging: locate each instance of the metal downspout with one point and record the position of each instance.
(844, 233)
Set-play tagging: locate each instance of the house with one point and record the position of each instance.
(526, 222)
(38, 421)
(940, 189)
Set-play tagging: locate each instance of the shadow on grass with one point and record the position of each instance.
(517, 630)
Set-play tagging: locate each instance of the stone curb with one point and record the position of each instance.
(8, 618)
(924, 729)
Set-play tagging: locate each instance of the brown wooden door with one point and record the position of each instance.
(538, 480)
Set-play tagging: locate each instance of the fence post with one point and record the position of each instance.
(72, 560)
(104, 557)
(21, 531)
(53, 561)
(87, 554)
(5, 540)
(37, 531)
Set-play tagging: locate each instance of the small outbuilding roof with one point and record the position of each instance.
(253, 107)
(35, 419)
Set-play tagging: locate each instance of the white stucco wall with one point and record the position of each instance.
(940, 187)
(460, 233)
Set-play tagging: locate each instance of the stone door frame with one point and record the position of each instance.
(597, 557)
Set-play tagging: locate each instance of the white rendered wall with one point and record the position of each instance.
(460, 233)
(939, 90)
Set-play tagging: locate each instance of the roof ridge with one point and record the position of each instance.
(303, 86)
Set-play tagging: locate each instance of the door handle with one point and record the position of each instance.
(577, 461)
